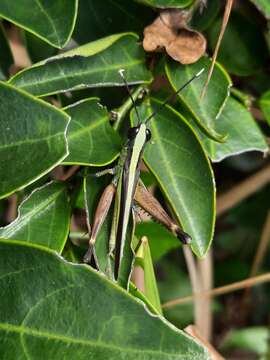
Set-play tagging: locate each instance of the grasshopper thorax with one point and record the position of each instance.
(134, 131)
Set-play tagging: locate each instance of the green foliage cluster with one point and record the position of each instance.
(51, 308)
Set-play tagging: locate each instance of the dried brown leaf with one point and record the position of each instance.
(170, 32)
(188, 46)
(157, 36)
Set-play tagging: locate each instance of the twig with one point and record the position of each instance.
(12, 208)
(195, 284)
(243, 190)
(265, 237)
(121, 112)
(261, 250)
(221, 290)
(71, 171)
(222, 30)
(20, 55)
(138, 278)
(205, 268)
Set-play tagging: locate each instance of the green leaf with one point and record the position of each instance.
(183, 171)
(52, 309)
(92, 65)
(203, 20)
(91, 139)
(167, 3)
(144, 259)
(267, 36)
(242, 97)
(252, 338)
(161, 241)
(32, 140)
(37, 49)
(207, 110)
(175, 283)
(53, 22)
(249, 43)
(96, 20)
(6, 58)
(134, 291)
(265, 105)
(43, 218)
(263, 6)
(73, 253)
(243, 133)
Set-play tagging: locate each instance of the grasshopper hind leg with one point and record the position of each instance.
(90, 257)
(184, 237)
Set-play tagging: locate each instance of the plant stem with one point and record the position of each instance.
(220, 290)
(123, 109)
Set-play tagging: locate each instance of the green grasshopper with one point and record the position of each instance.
(129, 189)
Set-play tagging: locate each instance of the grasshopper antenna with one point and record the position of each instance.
(121, 72)
(175, 93)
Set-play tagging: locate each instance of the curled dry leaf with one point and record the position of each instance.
(170, 32)
(187, 47)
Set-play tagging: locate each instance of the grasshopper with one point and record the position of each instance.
(127, 186)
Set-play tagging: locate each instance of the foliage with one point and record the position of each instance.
(56, 116)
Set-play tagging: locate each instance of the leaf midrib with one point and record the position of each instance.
(172, 177)
(30, 141)
(43, 10)
(24, 330)
(67, 76)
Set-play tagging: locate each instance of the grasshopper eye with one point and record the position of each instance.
(132, 132)
(148, 134)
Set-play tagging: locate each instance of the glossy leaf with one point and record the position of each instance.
(161, 241)
(72, 252)
(182, 169)
(243, 133)
(243, 38)
(267, 37)
(32, 138)
(134, 291)
(242, 97)
(37, 49)
(265, 105)
(202, 20)
(144, 259)
(167, 3)
(72, 311)
(91, 138)
(43, 218)
(96, 20)
(205, 111)
(51, 21)
(6, 58)
(92, 65)
(263, 6)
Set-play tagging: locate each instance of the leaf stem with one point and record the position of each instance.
(239, 285)
(123, 109)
